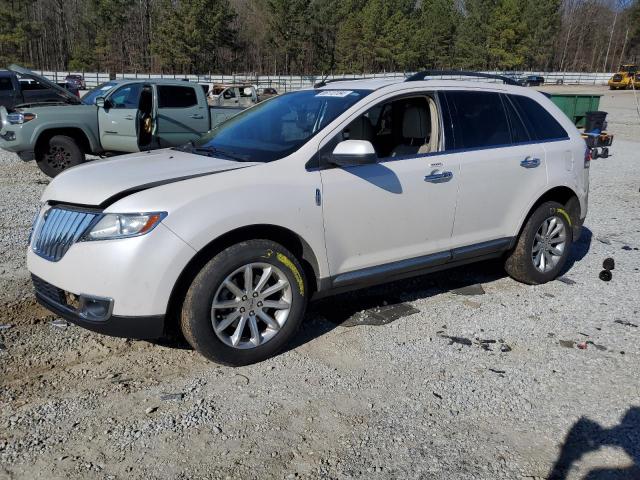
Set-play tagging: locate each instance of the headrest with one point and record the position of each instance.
(415, 122)
(361, 129)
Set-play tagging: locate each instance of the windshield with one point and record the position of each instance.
(99, 91)
(278, 127)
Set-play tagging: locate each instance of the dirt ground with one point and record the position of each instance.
(463, 374)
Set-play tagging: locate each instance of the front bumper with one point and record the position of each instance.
(137, 273)
(53, 299)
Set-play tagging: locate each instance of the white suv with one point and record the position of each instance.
(310, 193)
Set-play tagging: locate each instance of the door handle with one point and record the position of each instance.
(439, 177)
(196, 116)
(128, 117)
(530, 162)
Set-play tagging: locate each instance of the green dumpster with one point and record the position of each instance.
(576, 105)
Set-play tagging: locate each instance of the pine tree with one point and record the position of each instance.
(542, 24)
(435, 35)
(506, 29)
(472, 41)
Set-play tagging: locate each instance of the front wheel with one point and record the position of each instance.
(543, 246)
(58, 154)
(245, 304)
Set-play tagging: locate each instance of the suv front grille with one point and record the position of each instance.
(58, 230)
(54, 294)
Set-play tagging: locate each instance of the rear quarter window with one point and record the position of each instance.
(539, 122)
(173, 96)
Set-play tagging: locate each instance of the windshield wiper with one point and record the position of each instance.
(212, 151)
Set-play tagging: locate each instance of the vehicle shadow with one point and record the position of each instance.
(579, 249)
(586, 436)
(364, 307)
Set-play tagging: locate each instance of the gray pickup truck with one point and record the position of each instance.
(119, 116)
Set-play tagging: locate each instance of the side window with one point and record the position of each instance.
(229, 93)
(480, 120)
(540, 123)
(519, 133)
(173, 96)
(397, 128)
(127, 96)
(5, 83)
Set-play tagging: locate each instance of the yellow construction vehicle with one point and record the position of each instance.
(627, 77)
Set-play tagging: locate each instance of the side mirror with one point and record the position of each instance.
(102, 102)
(354, 152)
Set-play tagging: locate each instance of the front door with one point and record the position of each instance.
(117, 120)
(181, 117)
(396, 214)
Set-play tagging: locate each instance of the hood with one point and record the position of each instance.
(23, 72)
(103, 182)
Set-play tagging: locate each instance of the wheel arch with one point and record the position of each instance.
(287, 238)
(77, 133)
(565, 196)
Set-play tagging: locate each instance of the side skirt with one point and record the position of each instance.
(368, 277)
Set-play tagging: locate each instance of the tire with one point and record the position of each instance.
(60, 152)
(198, 315)
(519, 263)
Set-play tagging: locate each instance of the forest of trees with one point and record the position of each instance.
(318, 36)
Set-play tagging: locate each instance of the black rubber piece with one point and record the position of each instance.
(605, 276)
(609, 264)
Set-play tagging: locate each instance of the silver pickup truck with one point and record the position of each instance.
(120, 116)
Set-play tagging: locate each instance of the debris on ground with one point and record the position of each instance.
(567, 343)
(458, 340)
(475, 289)
(602, 348)
(150, 410)
(171, 396)
(605, 276)
(59, 323)
(604, 240)
(5, 326)
(582, 345)
(625, 323)
(609, 264)
(566, 280)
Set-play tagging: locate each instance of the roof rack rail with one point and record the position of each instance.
(460, 73)
(323, 83)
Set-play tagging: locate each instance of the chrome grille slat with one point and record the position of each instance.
(60, 228)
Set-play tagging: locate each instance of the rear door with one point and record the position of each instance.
(501, 170)
(117, 122)
(183, 114)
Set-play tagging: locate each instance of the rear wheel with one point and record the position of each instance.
(58, 154)
(543, 246)
(245, 304)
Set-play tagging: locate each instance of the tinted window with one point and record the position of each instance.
(274, 129)
(31, 85)
(479, 118)
(5, 83)
(171, 96)
(539, 122)
(127, 96)
(519, 133)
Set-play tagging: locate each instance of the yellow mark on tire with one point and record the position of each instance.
(564, 214)
(291, 266)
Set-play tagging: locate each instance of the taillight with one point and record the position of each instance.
(587, 158)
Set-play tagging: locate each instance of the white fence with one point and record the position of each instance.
(284, 83)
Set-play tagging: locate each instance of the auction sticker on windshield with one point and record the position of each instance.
(334, 93)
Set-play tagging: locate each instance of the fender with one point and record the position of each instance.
(94, 143)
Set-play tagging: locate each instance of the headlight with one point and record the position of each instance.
(20, 118)
(123, 225)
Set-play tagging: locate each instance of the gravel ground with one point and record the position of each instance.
(463, 374)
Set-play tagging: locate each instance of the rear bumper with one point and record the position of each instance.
(142, 328)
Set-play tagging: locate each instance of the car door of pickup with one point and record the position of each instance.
(117, 123)
(183, 114)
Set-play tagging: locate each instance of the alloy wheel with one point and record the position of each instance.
(251, 305)
(549, 244)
